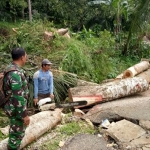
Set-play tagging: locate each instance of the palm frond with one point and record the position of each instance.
(140, 17)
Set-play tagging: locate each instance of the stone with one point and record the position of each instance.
(125, 131)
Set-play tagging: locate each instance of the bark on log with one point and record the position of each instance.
(108, 91)
(67, 35)
(62, 31)
(37, 127)
(120, 76)
(47, 107)
(48, 35)
(145, 75)
(136, 69)
(145, 59)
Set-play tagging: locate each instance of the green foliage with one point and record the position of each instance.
(100, 49)
(28, 37)
(66, 131)
(90, 56)
(76, 60)
(3, 119)
(144, 50)
(2, 136)
(70, 128)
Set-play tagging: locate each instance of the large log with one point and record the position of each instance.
(48, 35)
(62, 31)
(108, 91)
(136, 69)
(47, 107)
(145, 75)
(37, 127)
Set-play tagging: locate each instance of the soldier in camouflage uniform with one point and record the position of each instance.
(15, 83)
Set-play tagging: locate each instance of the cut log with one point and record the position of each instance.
(67, 35)
(120, 76)
(38, 127)
(62, 31)
(47, 107)
(136, 69)
(145, 59)
(145, 75)
(108, 91)
(37, 117)
(108, 80)
(48, 35)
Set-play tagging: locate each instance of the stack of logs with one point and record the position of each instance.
(133, 80)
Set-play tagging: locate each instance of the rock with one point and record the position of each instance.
(125, 131)
(145, 124)
(143, 140)
(122, 108)
(86, 142)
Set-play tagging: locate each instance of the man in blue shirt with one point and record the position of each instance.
(43, 82)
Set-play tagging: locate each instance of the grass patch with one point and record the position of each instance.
(4, 121)
(66, 131)
(2, 136)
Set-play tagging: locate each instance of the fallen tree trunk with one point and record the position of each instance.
(108, 91)
(37, 127)
(145, 75)
(62, 31)
(136, 69)
(47, 107)
(120, 76)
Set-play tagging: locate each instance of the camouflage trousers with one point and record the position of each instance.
(17, 128)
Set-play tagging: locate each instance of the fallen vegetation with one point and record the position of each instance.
(90, 58)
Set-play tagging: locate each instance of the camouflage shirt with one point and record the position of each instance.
(15, 82)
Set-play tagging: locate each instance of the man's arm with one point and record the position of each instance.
(51, 85)
(35, 79)
(35, 88)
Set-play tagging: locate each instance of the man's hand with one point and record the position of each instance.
(35, 101)
(51, 96)
(26, 120)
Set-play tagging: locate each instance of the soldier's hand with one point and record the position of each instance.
(35, 101)
(26, 120)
